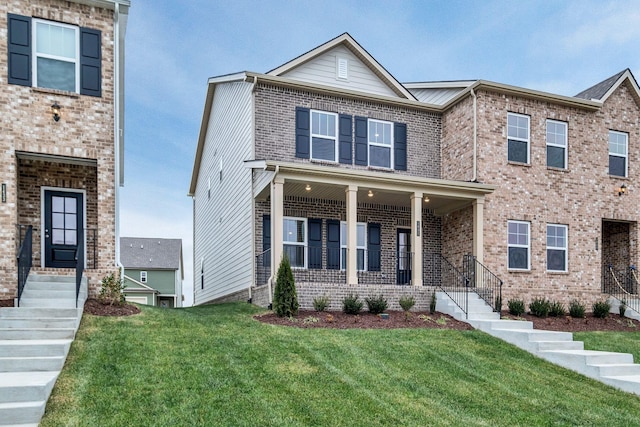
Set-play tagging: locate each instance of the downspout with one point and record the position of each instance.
(253, 206)
(116, 132)
(273, 264)
(475, 137)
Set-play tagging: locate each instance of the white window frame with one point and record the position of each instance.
(516, 245)
(559, 248)
(143, 277)
(371, 143)
(36, 55)
(563, 145)
(323, 136)
(286, 242)
(343, 244)
(517, 138)
(626, 151)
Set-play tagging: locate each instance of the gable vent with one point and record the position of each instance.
(342, 68)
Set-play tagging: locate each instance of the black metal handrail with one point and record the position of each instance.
(451, 281)
(486, 284)
(25, 260)
(623, 286)
(79, 267)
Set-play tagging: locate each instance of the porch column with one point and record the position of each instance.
(277, 217)
(416, 239)
(352, 234)
(478, 229)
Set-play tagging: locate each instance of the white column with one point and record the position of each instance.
(352, 234)
(478, 229)
(416, 239)
(277, 200)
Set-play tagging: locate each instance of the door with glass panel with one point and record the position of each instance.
(403, 266)
(63, 227)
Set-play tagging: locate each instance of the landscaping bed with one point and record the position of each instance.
(613, 322)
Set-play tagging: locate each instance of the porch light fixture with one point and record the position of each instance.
(426, 199)
(55, 110)
(370, 194)
(622, 190)
(308, 187)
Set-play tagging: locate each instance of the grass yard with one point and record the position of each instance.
(216, 366)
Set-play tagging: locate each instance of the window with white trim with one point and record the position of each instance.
(295, 241)
(556, 144)
(557, 247)
(518, 138)
(361, 245)
(518, 245)
(143, 277)
(618, 153)
(324, 136)
(380, 138)
(56, 56)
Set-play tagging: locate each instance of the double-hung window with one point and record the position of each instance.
(618, 153)
(56, 56)
(295, 241)
(143, 277)
(361, 245)
(324, 136)
(518, 138)
(518, 245)
(380, 143)
(556, 247)
(556, 144)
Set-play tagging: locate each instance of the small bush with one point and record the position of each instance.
(601, 309)
(433, 303)
(111, 290)
(516, 307)
(557, 309)
(351, 304)
(540, 307)
(321, 303)
(407, 302)
(576, 309)
(285, 298)
(622, 308)
(377, 304)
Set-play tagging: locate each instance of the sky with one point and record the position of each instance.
(174, 46)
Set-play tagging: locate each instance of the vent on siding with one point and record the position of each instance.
(342, 68)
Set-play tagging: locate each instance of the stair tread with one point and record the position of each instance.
(27, 404)
(36, 342)
(26, 379)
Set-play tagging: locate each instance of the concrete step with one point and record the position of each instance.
(580, 360)
(34, 348)
(29, 293)
(36, 333)
(38, 312)
(17, 413)
(31, 364)
(26, 386)
(40, 277)
(615, 370)
(483, 315)
(49, 303)
(559, 345)
(40, 323)
(40, 285)
(489, 325)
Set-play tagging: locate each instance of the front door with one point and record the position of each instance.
(403, 269)
(63, 226)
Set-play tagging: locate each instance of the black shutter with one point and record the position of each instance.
(303, 132)
(19, 50)
(345, 139)
(361, 141)
(315, 242)
(400, 146)
(266, 240)
(90, 62)
(373, 248)
(333, 244)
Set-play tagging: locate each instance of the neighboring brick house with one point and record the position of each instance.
(153, 271)
(62, 78)
(368, 184)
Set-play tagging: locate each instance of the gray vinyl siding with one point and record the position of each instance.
(261, 179)
(436, 96)
(322, 70)
(223, 217)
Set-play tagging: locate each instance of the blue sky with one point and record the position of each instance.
(173, 47)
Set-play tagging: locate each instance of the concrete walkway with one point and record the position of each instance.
(34, 341)
(615, 369)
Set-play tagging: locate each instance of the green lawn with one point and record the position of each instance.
(215, 365)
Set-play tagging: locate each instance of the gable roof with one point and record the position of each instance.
(601, 91)
(349, 42)
(150, 253)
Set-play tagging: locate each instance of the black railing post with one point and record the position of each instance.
(25, 260)
(79, 265)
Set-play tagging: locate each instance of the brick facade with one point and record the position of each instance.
(84, 132)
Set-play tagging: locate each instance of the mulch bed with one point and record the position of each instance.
(6, 302)
(95, 307)
(613, 322)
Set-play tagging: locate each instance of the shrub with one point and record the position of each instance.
(516, 307)
(601, 309)
(557, 309)
(622, 308)
(111, 290)
(407, 302)
(433, 303)
(321, 303)
(377, 304)
(540, 307)
(351, 304)
(285, 299)
(576, 309)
